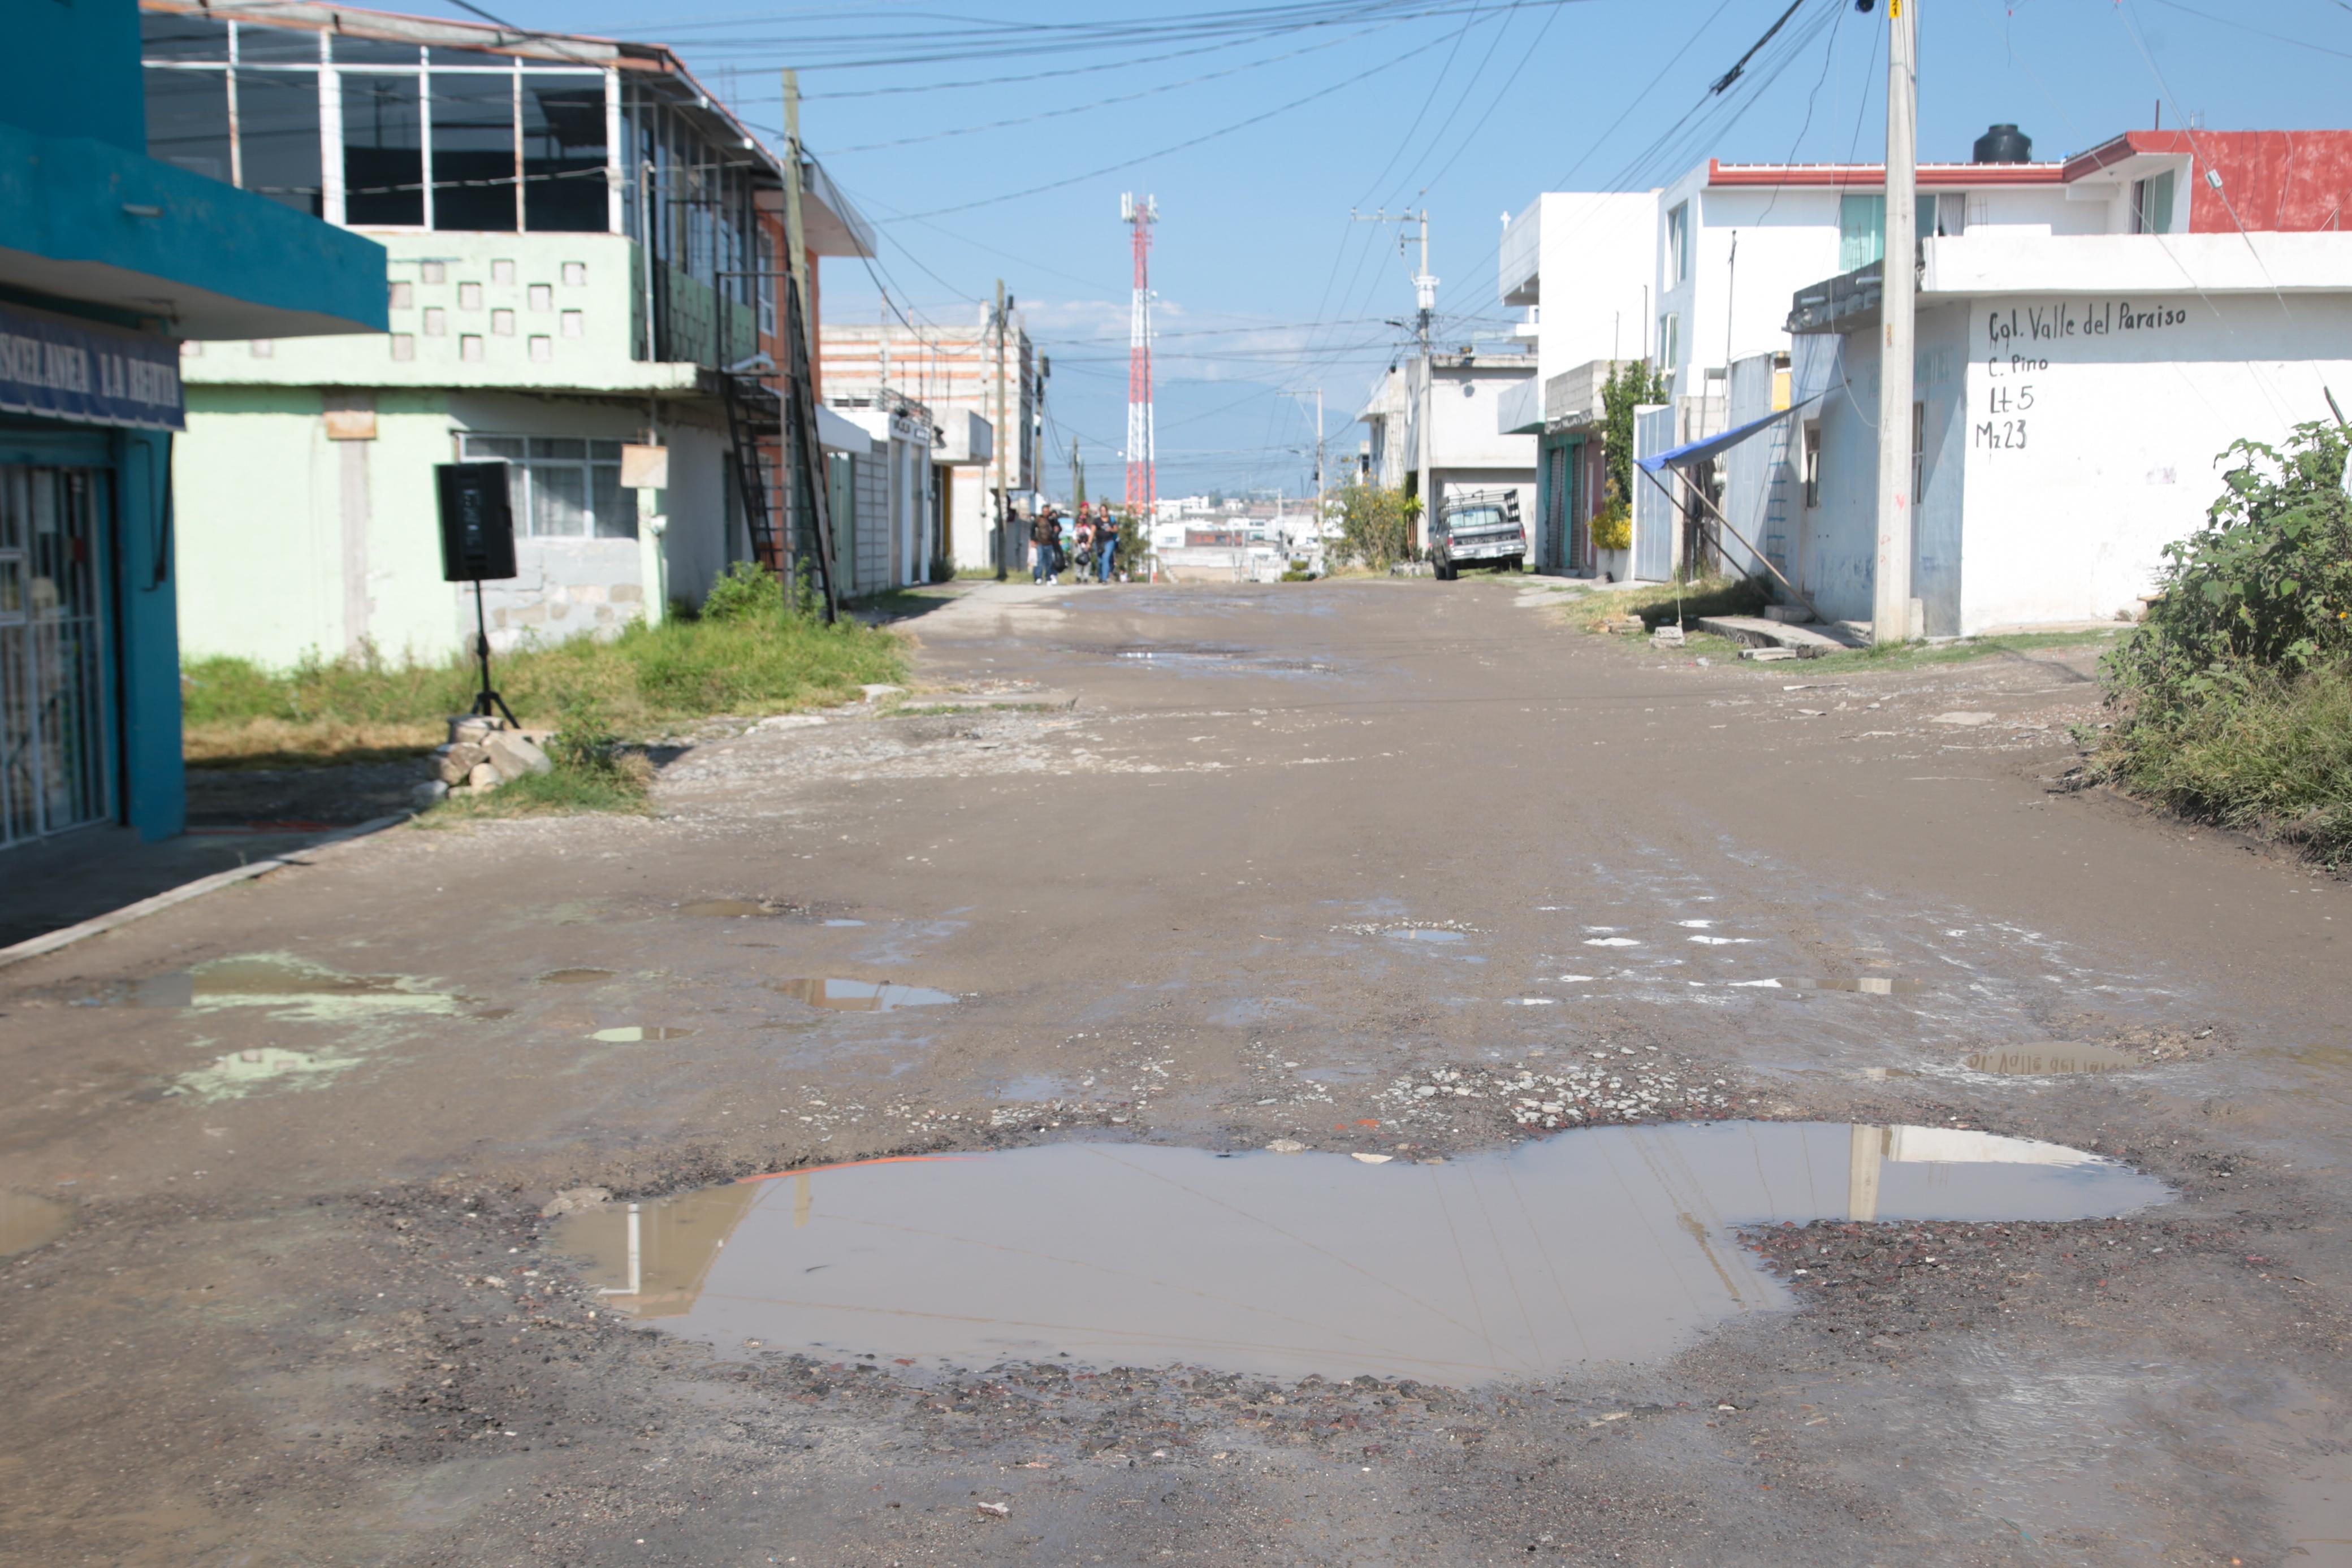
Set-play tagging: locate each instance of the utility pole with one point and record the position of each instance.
(1077, 476)
(1890, 620)
(1425, 294)
(799, 371)
(1318, 453)
(1004, 522)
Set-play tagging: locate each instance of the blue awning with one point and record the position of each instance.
(1700, 451)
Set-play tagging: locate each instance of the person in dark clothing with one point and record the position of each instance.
(1045, 547)
(1105, 543)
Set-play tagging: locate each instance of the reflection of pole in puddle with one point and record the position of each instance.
(800, 1200)
(636, 1274)
(1698, 1234)
(1866, 1151)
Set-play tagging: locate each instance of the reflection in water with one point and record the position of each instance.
(730, 908)
(1606, 1244)
(27, 1222)
(629, 1034)
(575, 976)
(1425, 934)
(2050, 1056)
(280, 981)
(861, 996)
(1868, 985)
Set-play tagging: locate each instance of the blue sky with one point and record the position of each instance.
(1469, 107)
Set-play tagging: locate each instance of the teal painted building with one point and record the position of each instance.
(111, 261)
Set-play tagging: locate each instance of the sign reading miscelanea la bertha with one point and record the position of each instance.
(88, 371)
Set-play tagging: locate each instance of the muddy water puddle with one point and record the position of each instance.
(1610, 1244)
(840, 996)
(575, 977)
(2050, 1058)
(758, 909)
(631, 1033)
(1863, 984)
(27, 1222)
(279, 981)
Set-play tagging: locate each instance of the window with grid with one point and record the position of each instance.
(560, 488)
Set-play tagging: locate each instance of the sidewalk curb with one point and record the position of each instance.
(66, 936)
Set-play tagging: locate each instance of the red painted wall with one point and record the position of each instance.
(2271, 180)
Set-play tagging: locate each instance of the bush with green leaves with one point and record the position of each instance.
(2234, 697)
(1375, 524)
(2266, 585)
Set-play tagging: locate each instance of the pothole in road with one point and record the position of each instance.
(27, 1222)
(2049, 1058)
(1610, 1244)
(575, 976)
(1866, 985)
(289, 985)
(840, 996)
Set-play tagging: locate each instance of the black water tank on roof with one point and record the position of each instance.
(2004, 144)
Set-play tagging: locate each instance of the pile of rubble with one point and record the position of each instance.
(482, 753)
(1610, 1086)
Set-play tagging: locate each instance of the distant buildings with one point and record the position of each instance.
(113, 260)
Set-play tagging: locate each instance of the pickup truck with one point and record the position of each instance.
(1479, 527)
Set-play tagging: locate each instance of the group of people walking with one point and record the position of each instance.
(1092, 546)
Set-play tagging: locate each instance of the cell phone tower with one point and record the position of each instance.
(1142, 446)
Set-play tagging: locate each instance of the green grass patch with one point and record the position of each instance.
(1658, 604)
(2273, 757)
(744, 656)
(1918, 655)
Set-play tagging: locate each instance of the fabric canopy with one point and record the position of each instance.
(1700, 451)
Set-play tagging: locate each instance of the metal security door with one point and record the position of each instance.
(1655, 516)
(1554, 556)
(53, 771)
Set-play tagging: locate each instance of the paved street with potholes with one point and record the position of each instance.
(391, 1208)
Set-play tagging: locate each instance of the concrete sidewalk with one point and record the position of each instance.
(80, 875)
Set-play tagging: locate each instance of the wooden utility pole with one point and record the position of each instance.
(1890, 619)
(801, 381)
(1003, 519)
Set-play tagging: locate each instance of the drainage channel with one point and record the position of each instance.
(1612, 1244)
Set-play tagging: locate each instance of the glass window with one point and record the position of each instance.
(188, 120)
(1678, 244)
(1861, 231)
(278, 136)
(481, 58)
(383, 150)
(474, 152)
(561, 488)
(564, 154)
(374, 51)
(2152, 204)
(1670, 341)
(166, 37)
(258, 45)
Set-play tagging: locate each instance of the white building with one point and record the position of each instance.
(2074, 394)
(1722, 250)
(1469, 447)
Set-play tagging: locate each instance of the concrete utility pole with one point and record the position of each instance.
(1004, 522)
(1318, 453)
(801, 370)
(1890, 619)
(1425, 293)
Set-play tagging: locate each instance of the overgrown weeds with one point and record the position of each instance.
(2234, 700)
(1659, 604)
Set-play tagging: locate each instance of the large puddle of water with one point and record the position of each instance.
(839, 996)
(1610, 1244)
(279, 981)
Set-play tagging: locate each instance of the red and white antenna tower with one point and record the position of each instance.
(1142, 447)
